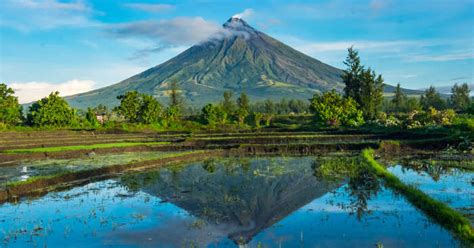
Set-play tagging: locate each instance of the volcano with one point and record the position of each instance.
(239, 59)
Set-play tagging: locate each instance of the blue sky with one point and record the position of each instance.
(75, 46)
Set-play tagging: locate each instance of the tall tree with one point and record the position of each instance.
(52, 110)
(91, 117)
(176, 106)
(362, 85)
(460, 99)
(243, 103)
(352, 75)
(432, 99)
(371, 94)
(10, 109)
(228, 104)
(399, 99)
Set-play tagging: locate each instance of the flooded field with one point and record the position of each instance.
(450, 185)
(26, 169)
(269, 202)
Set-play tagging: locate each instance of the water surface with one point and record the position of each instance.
(221, 203)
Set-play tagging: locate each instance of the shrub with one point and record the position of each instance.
(432, 117)
(388, 120)
(332, 109)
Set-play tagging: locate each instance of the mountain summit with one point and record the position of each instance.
(239, 58)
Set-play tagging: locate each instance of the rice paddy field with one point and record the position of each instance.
(240, 189)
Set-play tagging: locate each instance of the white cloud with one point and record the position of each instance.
(33, 91)
(441, 57)
(27, 15)
(246, 14)
(173, 32)
(147, 7)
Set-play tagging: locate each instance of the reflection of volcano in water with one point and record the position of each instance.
(244, 196)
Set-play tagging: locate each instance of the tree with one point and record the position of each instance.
(412, 104)
(362, 85)
(243, 107)
(91, 117)
(228, 104)
(459, 99)
(353, 74)
(257, 118)
(150, 110)
(213, 114)
(282, 107)
(297, 106)
(371, 94)
(432, 99)
(332, 109)
(140, 108)
(130, 105)
(399, 100)
(176, 105)
(10, 109)
(269, 110)
(52, 110)
(269, 106)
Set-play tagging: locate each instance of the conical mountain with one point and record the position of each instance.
(239, 59)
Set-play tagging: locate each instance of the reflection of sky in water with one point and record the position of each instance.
(105, 214)
(454, 187)
(392, 222)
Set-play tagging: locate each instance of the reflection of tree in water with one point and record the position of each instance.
(363, 185)
(430, 167)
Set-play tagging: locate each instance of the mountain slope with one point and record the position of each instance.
(239, 59)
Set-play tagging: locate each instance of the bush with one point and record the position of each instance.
(388, 120)
(332, 109)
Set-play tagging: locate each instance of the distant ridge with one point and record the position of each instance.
(240, 58)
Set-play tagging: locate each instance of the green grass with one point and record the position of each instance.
(34, 179)
(437, 210)
(82, 147)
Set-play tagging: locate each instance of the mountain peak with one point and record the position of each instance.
(237, 23)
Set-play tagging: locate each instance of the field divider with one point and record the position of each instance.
(438, 211)
(82, 147)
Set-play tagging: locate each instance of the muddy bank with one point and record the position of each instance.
(7, 159)
(300, 149)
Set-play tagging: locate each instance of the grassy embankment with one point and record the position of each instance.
(437, 210)
(83, 147)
